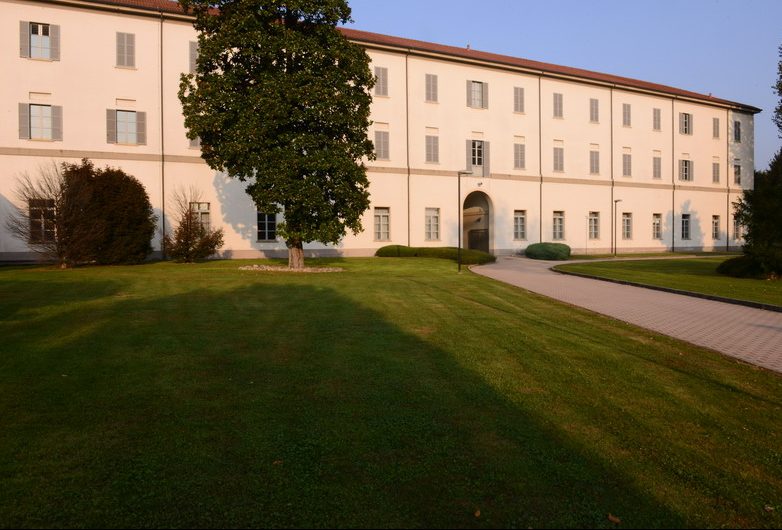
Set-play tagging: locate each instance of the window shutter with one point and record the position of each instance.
(468, 165)
(120, 49)
(56, 123)
(692, 170)
(485, 95)
(54, 42)
(469, 93)
(130, 49)
(193, 56)
(681, 123)
(24, 121)
(141, 128)
(486, 159)
(24, 38)
(111, 126)
(196, 142)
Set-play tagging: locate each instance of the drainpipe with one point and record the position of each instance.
(727, 181)
(611, 168)
(162, 150)
(540, 164)
(407, 140)
(673, 176)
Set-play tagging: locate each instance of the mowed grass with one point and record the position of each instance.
(393, 394)
(697, 274)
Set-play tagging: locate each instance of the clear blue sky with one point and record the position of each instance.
(726, 48)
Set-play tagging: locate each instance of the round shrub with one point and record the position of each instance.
(469, 256)
(741, 267)
(548, 251)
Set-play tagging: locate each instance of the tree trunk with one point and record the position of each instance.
(295, 254)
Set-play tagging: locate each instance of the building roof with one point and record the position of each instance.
(171, 6)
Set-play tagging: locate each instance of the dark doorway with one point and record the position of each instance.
(477, 221)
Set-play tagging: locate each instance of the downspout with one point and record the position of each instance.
(673, 176)
(407, 140)
(612, 204)
(727, 181)
(162, 151)
(540, 164)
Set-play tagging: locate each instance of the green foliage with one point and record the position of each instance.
(741, 267)
(778, 89)
(280, 100)
(548, 251)
(469, 256)
(192, 241)
(759, 211)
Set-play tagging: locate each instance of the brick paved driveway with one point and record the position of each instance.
(752, 335)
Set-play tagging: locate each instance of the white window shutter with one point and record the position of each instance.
(469, 93)
(57, 123)
(485, 88)
(120, 49)
(54, 42)
(111, 126)
(130, 49)
(141, 128)
(24, 121)
(486, 159)
(468, 165)
(24, 38)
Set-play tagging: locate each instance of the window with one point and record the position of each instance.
(715, 226)
(126, 50)
(559, 226)
(431, 88)
(685, 123)
(42, 220)
(520, 224)
(715, 172)
(518, 99)
(267, 226)
(432, 224)
(685, 226)
(200, 211)
(519, 156)
(381, 84)
(737, 131)
(657, 119)
(657, 226)
(594, 162)
(685, 170)
(477, 95)
(381, 145)
(627, 165)
(594, 225)
(195, 143)
(477, 152)
(559, 159)
(594, 110)
(126, 127)
(715, 127)
(627, 225)
(478, 157)
(382, 221)
(626, 116)
(736, 229)
(39, 41)
(657, 165)
(432, 149)
(737, 171)
(558, 107)
(40, 122)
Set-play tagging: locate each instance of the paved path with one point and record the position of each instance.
(752, 335)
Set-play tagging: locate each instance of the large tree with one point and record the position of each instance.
(280, 99)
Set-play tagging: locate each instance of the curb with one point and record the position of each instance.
(747, 303)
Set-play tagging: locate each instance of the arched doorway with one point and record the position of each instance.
(477, 221)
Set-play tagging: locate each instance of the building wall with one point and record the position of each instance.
(86, 82)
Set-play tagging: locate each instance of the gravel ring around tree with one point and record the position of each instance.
(279, 268)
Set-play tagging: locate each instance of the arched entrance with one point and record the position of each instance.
(477, 221)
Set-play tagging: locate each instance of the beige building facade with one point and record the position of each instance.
(555, 153)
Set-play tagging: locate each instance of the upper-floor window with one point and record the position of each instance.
(559, 111)
(381, 83)
(40, 122)
(657, 165)
(559, 159)
(126, 127)
(518, 99)
(477, 153)
(431, 88)
(626, 115)
(39, 41)
(685, 170)
(594, 110)
(657, 119)
(477, 95)
(737, 171)
(126, 50)
(685, 123)
(715, 127)
(432, 148)
(478, 157)
(519, 156)
(715, 172)
(737, 131)
(382, 150)
(627, 165)
(594, 162)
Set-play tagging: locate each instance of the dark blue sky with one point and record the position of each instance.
(727, 48)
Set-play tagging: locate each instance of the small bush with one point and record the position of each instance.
(469, 256)
(548, 251)
(741, 267)
(192, 240)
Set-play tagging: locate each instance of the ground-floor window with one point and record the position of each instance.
(201, 213)
(267, 226)
(657, 226)
(594, 225)
(432, 224)
(558, 232)
(520, 224)
(715, 226)
(382, 223)
(736, 229)
(685, 226)
(627, 225)
(42, 220)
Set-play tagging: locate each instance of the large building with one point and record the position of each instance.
(555, 153)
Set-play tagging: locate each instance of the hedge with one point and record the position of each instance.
(741, 267)
(469, 257)
(548, 251)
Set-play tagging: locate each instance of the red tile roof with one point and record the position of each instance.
(171, 6)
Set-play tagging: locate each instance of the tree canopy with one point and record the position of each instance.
(280, 99)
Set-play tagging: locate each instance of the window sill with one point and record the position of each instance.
(433, 102)
(384, 96)
(520, 113)
(266, 241)
(44, 140)
(42, 59)
(119, 67)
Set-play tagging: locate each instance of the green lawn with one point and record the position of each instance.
(698, 275)
(396, 393)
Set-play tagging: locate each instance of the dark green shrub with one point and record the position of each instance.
(742, 267)
(193, 238)
(469, 257)
(548, 251)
